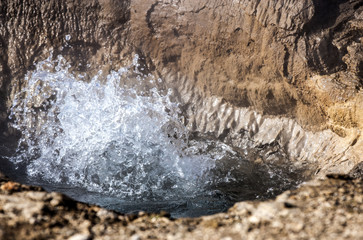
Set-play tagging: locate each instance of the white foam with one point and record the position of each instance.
(105, 137)
(119, 135)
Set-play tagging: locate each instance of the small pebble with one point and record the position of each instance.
(79, 236)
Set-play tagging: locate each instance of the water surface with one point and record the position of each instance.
(127, 147)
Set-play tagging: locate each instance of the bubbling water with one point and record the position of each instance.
(126, 145)
(104, 137)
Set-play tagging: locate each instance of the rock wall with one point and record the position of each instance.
(265, 54)
(299, 60)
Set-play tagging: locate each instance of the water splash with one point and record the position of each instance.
(105, 137)
(127, 143)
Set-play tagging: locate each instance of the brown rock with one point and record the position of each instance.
(10, 186)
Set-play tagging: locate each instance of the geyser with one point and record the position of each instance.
(128, 146)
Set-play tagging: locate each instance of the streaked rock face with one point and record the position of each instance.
(288, 72)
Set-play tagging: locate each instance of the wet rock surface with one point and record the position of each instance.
(322, 209)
